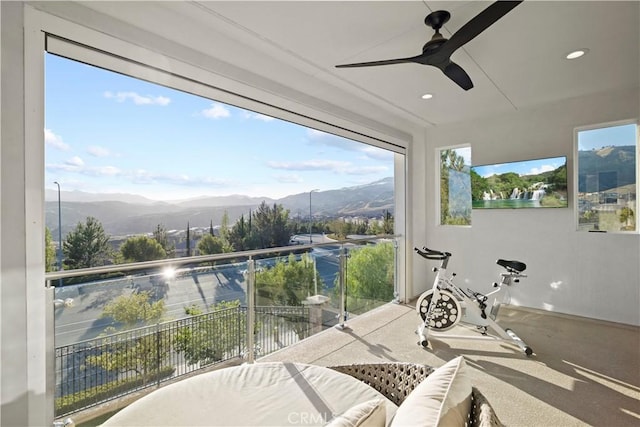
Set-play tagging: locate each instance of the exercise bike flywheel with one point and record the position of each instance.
(445, 315)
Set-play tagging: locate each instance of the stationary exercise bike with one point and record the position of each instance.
(445, 305)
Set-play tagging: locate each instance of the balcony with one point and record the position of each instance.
(123, 330)
(583, 372)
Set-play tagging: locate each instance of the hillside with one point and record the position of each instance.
(613, 166)
(137, 215)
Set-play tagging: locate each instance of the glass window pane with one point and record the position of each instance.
(607, 165)
(455, 186)
(196, 175)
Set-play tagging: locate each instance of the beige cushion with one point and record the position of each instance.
(442, 399)
(366, 414)
(269, 394)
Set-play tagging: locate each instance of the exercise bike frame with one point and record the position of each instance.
(445, 305)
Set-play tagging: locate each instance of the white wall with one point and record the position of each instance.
(23, 306)
(594, 275)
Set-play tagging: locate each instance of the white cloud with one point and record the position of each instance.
(98, 151)
(366, 170)
(328, 165)
(258, 116)
(289, 179)
(336, 166)
(75, 161)
(138, 99)
(107, 171)
(55, 141)
(217, 111)
(315, 134)
(142, 176)
(377, 153)
(317, 137)
(541, 169)
(77, 165)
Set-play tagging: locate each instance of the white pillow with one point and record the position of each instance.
(366, 414)
(443, 399)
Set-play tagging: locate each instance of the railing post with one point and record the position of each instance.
(50, 357)
(158, 353)
(251, 309)
(396, 293)
(342, 315)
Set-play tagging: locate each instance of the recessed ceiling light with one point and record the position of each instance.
(577, 53)
(427, 96)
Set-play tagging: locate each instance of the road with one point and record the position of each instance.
(199, 287)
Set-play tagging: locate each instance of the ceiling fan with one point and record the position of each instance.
(437, 51)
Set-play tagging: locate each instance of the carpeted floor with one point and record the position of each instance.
(582, 372)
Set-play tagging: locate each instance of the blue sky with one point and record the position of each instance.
(528, 167)
(607, 136)
(587, 140)
(109, 133)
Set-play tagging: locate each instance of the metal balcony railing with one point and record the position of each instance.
(215, 309)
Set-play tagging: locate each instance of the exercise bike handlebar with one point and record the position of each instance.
(432, 254)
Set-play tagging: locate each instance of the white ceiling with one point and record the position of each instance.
(516, 63)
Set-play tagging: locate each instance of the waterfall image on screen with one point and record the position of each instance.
(540, 183)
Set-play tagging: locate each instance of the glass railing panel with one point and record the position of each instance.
(131, 330)
(369, 275)
(121, 329)
(283, 285)
(327, 264)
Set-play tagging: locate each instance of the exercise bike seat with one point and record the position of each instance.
(516, 266)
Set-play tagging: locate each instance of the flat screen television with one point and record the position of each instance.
(540, 183)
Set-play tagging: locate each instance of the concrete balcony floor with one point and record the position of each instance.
(582, 372)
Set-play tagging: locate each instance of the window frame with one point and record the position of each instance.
(576, 172)
(140, 56)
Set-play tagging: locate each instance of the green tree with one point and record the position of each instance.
(188, 239)
(289, 282)
(134, 310)
(369, 278)
(239, 236)
(87, 245)
(479, 186)
(146, 353)
(269, 227)
(387, 223)
(211, 245)
(626, 219)
(361, 227)
(340, 228)
(224, 226)
(49, 251)
(160, 235)
(141, 248)
(207, 338)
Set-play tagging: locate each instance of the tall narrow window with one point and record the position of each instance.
(607, 178)
(455, 186)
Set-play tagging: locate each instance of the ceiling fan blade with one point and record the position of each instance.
(375, 63)
(478, 24)
(458, 75)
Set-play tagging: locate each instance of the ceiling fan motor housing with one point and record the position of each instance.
(437, 19)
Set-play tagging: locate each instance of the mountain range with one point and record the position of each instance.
(607, 168)
(124, 214)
